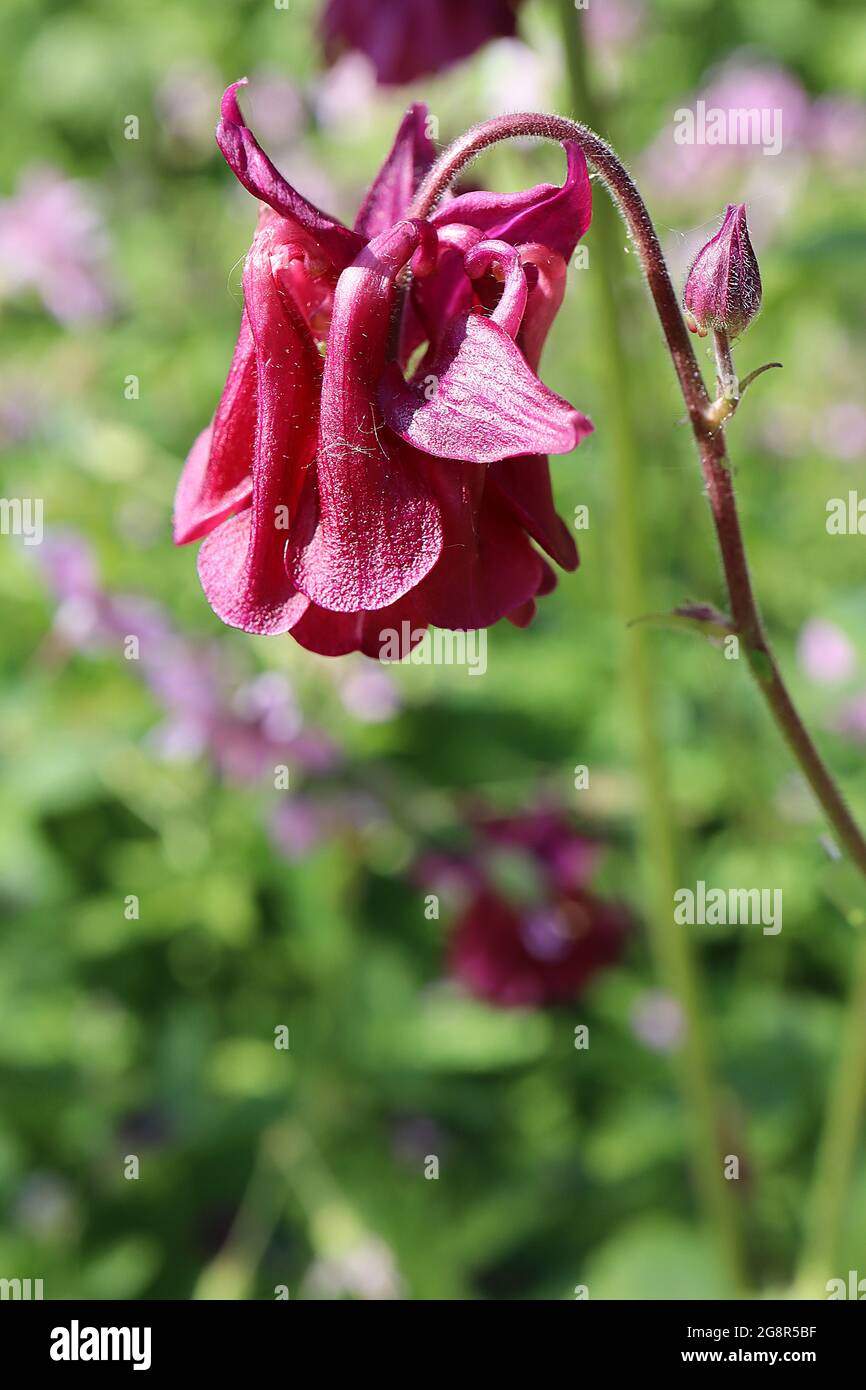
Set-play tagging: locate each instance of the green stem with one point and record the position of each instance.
(671, 945)
(837, 1146)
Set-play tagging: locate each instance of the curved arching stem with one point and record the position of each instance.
(709, 437)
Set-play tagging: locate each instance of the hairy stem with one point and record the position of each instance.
(726, 377)
(710, 439)
(671, 946)
(837, 1149)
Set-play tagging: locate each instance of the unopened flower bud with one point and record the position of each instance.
(723, 288)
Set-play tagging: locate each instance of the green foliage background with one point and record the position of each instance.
(155, 1036)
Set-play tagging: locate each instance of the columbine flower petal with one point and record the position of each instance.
(392, 190)
(484, 404)
(255, 171)
(555, 216)
(217, 477)
(241, 564)
(378, 530)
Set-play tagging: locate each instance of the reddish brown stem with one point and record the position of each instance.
(710, 438)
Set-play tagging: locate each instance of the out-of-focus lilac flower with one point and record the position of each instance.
(270, 700)
(247, 730)
(345, 94)
(741, 85)
(514, 77)
(782, 429)
(25, 405)
(87, 617)
(452, 876)
(657, 1021)
(825, 653)
(368, 693)
(277, 107)
(842, 430)
(68, 564)
(837, 132)
(407, 39)
(184, 103)
(366, 1270)
(614, 24)
(53, 241)
(851, 719)
(300, 823)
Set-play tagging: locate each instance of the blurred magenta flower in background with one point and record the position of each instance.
(528, 929)
(53, 242)
(405, 39)
(398, 483)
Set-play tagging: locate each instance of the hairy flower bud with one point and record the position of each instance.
(723, 288)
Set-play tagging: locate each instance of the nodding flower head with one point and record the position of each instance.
(406, 39)
(377, 462)
(723, 288)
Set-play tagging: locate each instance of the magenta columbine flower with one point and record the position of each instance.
(723, 288)
(530, 931)
(377, 462)
(405, 39)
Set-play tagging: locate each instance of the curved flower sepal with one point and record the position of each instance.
(242, 563)
(372, 529)
(488, 567)
(554, 215)
(484, 403)
(391, 192)
(479, 400)
(251, 166)
(216, 477)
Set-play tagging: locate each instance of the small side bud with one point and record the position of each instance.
(723, 288)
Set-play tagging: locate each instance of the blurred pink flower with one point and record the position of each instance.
(26, 405)
(300, 823)
(184, 103)
(513, 77)
(825, 653)
(851, 719)
(740, 85)
(368, 693)
(657, 1021)
(613, 24)
(245, 728)
(837, 132)
(53, 241)
(277, 106)
(366, 1270)
(345, 94)
(842, 430)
